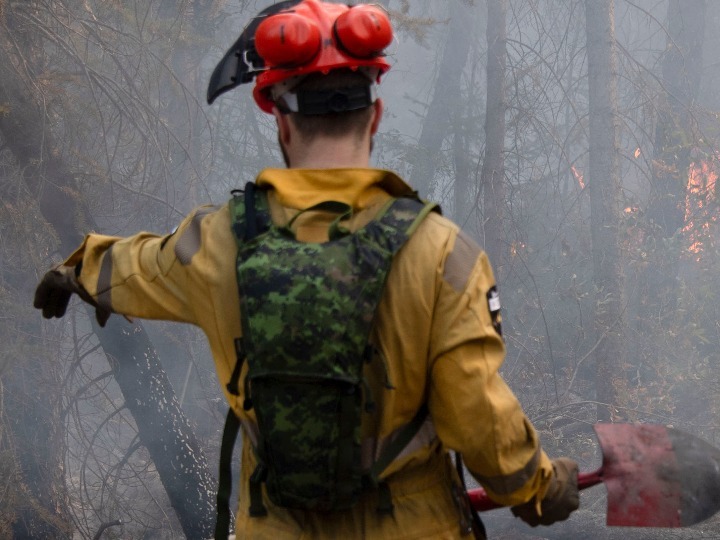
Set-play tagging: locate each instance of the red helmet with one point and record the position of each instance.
(296, 38)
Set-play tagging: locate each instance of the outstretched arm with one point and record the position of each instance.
(144, 275)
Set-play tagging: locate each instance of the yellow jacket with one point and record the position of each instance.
(434, 329)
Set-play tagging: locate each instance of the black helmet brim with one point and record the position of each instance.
(241, 62)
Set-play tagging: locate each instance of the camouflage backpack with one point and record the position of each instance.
(307, 311)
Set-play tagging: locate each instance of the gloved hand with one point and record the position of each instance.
(561, 499)
(55, 289)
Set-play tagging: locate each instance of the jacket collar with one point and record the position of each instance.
(360, 188)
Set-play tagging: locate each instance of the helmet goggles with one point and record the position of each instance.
(292, 39)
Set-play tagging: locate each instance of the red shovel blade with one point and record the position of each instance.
(655, 477)
(640, 472)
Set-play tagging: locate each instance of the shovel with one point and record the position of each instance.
(655, 476)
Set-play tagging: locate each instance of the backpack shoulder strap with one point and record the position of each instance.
(250, 217)
(250, 213)
(224, 516)
(398, 220)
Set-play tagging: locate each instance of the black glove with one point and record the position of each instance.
(562, 497)
(55, 289)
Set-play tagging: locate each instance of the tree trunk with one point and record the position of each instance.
(185, 116)
(34, 496)
(675, 134)
(604, 187)
(493, 169)
(161, 424)
(445, 97)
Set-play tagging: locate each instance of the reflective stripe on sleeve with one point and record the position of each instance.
(104, 282)
(504, 485)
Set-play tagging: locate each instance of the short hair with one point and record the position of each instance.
(333, 124)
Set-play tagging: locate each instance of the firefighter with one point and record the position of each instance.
(436, 331)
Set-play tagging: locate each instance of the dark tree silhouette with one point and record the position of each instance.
(604, 186)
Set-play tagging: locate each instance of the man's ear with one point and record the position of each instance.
(378, 107)
(283, 125)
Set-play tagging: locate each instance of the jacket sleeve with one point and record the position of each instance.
(474, 411)
(150, 276)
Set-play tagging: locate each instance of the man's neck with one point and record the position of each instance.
(328, 153)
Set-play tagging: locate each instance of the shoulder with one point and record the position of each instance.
(458, 257)
(442, 234)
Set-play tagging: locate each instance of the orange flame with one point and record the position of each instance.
(515, 248)
(578, 176)
(702, 178)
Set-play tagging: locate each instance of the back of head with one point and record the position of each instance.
(337, 87)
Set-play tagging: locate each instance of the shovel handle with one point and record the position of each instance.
(480, 501)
